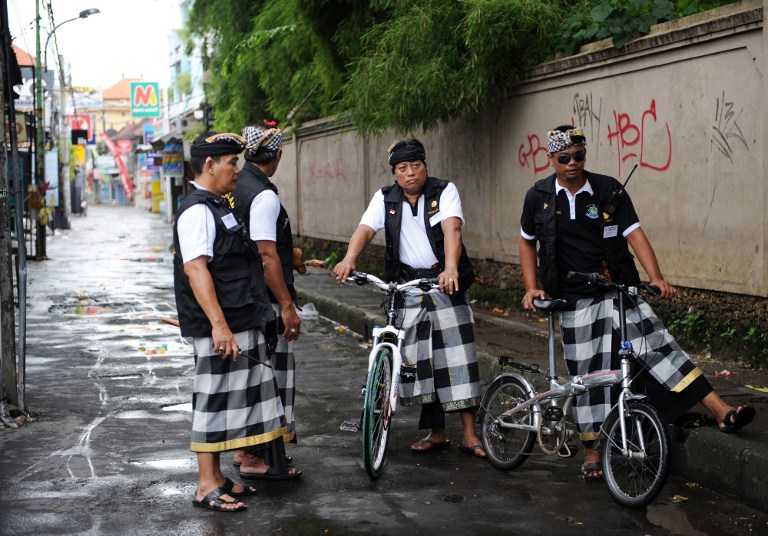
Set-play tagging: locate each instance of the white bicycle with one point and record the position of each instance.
(385, 366)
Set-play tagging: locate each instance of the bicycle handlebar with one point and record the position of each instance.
(424, 284)
(598, 279)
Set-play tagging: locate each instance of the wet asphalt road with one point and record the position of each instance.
(109, 386)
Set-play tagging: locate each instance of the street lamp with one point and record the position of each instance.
(83, 15)
(40, 123)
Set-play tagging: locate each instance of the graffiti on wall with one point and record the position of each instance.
(643, 138)
(330, 171)
(726, 131)
(631, 139)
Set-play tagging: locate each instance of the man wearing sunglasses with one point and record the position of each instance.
(584, 222)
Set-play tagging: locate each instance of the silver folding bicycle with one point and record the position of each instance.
(634, 439)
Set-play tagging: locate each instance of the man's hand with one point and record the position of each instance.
(530, 294)
(667, 291)
(292, 322)
(342, 270)
(448, 280)
(224, 342)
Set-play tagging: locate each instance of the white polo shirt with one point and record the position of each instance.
(415, 250)
(197, 231)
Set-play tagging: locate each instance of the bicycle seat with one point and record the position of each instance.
(549, 304)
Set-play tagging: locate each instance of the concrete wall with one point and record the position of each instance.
(684, 104)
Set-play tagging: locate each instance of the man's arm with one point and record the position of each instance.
(527, 250)
(273, 276)
(202, 287)
(449, 277)
(360, 238)
(645, 254)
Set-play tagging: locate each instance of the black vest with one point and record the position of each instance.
(615, 250)
(393, 207)
(236, 270)
(251, 182)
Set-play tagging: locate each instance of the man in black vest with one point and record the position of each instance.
(422, 218)
(584, 222)
(256, 201)
(223, 307)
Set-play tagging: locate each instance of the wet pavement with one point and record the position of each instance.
(109, 388)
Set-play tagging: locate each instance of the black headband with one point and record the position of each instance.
(218, 145)
(406, 151)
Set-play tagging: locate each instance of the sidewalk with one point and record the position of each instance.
(734, 464)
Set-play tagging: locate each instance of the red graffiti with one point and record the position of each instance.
(329, 172)
(628, 136)
(534, 155)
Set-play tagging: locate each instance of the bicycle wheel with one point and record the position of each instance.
(506, 448)
(377, 413)
(636, 477)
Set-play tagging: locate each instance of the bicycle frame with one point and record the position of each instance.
(397, 360)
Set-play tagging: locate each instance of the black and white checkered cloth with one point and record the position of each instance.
(440, 340)
(235, 404)
(285, 374)
(590, 334)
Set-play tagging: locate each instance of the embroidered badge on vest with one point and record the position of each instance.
(592, 212)
(435, 208)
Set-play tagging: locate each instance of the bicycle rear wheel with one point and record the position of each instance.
(506, 448)
(636, 477)
(377, 413)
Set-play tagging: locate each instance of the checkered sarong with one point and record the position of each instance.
(235, 404)
(285, 374)
(440, 340)
(590, 334)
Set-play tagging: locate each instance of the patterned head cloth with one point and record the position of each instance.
(217, 144)
(266, 135)
(558, 140)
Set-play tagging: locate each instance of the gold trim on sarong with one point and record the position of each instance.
(688, 380)
(235, 444)
(287, 438)
(589, 436)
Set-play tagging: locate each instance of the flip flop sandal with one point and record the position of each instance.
(271, 474)
(212, 501)
(738, 418)
(471, 450)
(587, 468)
(228, 486)
(288, 461)
(431, 445)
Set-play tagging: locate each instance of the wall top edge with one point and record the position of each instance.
(748, 17)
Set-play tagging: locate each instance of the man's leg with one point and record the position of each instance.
(471, 443)
(209, 478)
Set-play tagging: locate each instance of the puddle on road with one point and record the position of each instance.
(123, 377)
(187, 406)
(671, 518)
(165, 464)
(452, 498)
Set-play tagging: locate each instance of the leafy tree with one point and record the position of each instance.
(431, 60)
(402, 64)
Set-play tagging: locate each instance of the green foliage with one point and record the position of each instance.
(393, 64)
(431, 61)
(623, 20)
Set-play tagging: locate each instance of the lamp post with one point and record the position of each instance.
(64, 186)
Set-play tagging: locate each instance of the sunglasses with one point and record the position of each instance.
(578, 156)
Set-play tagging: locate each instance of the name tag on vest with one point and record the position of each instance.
(229, 221)
(610, 231)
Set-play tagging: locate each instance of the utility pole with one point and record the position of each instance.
(64, 182)
(40, 254)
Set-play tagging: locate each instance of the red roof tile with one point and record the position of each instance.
(121, 90)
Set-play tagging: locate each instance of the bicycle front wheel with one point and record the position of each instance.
(506, 447)
(377, 413)
(636, 475)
